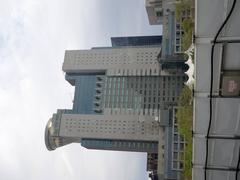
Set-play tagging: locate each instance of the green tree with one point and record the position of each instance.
(185, 119)
(187, 24)
(188, 27)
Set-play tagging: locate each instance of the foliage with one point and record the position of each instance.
(188, 27)
(184, 119)
(185, 108)
(186, 23)
(182, 6)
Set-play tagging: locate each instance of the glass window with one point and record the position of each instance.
(182, 146)
(175, 165)
(175, 137)
(181, 165)
(175, 146)
(159, 13)
(175, 156)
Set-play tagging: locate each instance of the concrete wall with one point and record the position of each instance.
(122, 127)
(116, 61)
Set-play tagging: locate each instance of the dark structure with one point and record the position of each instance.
(136, 41)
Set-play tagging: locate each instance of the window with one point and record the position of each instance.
(177, 41)
(175, 156)
(175, 146)
(175, 165)
(159, 13)
(182, 146)
(181, 165)
(178, 26)
(177, 48)
(175, 137)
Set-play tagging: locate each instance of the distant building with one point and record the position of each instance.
(172, 62)
(178, 144)
(136, 41)
(162, 12)
(155, 11)
(174, 147)
(152, 162)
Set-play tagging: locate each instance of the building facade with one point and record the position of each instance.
(119, 94)
(154, 10)
(172, 26)
(106, 132)
(136, 41)
(122, 101)
(172, 62)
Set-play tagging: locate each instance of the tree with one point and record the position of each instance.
(187, 23)
(185, 118)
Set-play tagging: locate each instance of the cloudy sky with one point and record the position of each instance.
(33, 37)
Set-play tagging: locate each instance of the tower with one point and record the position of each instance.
(119, 95)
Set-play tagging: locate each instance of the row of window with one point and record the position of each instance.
(120, 131)
(89, 54)
(178, 145)
(118, 144)
(127, 111)
(105, 121)
(110, 125)
(135, 72)
(123, 92)
(90, 57)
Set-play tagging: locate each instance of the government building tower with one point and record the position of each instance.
(121, 94)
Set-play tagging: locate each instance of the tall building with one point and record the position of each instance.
(123, 99)
(136, 41)
(119, 94)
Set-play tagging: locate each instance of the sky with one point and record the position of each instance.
(33, 38)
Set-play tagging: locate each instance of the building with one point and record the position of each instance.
(178, 144)
(174, 147)
(122, 101)
(106, 132)
(119, 94)
(171, 59)
(172, 26)
(155, 11)
(136, 41)
(172, 62)
(152, 162)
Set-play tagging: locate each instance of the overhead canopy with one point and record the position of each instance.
(223, 140)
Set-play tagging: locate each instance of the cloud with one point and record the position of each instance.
(33, 38)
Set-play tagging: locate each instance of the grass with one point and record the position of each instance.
(184, 118)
